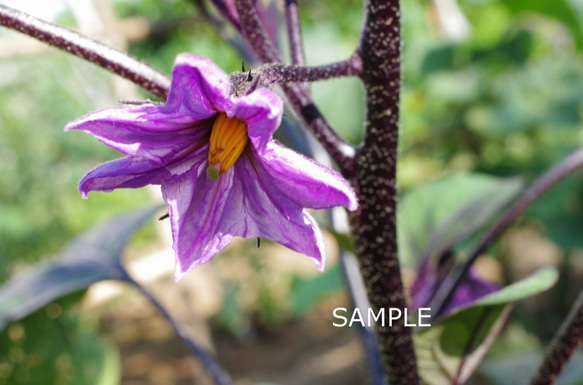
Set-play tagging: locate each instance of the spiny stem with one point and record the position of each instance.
(562, 346)
(115, 61)
(550, 178)
(374, 224)
(295, 73)
(269, 74)
(341, 152)
(255, 33)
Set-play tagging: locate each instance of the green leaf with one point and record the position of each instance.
(48, 347)
(454, 346)
(440, 214)
(94, 256)
(307, 292)
(560, 10)
(536, 283)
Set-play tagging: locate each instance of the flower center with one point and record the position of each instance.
(227, 142)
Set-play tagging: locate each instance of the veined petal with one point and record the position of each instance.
(262, 111)
(135, 172)
(144, 131)
(196, 205)
(252, 211)
(120, 173)
(296, 179)
(199, 86)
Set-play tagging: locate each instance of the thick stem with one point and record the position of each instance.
(374, 223)
(341, 152)
(115, 61)
(550, 178)
(562, 346)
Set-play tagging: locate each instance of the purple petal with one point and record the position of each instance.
(199, 87)
(297, 180)
(262, 110)
(196, 205)
(161, 132)
(136, 172)
(253, 211)
(145, 131)
(120, 173)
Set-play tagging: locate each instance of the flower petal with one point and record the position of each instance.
(134, 172)
(145, 131)
(295, 178)
(252, 211)
(262, 110)
(120, 173)
(198, 87)
(195, 206)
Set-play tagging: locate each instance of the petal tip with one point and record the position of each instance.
(352, 203)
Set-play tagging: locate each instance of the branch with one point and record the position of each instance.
(106, 57)
(341, 152)
(562, 346)
(294, 37)
(286, 74)
(294, 32)
(239, 44)
(553, 176)
(255, 33)
(269, 74)
(374, 224)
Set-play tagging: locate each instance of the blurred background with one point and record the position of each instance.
(490, 87)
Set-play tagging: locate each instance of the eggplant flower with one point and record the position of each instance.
(220, 171)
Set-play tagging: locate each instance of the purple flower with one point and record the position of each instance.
(221, 173)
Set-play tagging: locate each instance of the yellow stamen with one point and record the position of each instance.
(228, 140)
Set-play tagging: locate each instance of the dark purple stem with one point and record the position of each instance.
(550, 178)
(255, 33)
(294, 36)
(239, 44)
(269, 74)
(228, 11)
(115, 61)
(374, 223)
(341, 152)
(295, 73)
(562, 346)
(294, 32)
(213, 369)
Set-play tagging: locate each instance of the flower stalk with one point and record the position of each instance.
(341, 152)
(104, 56)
